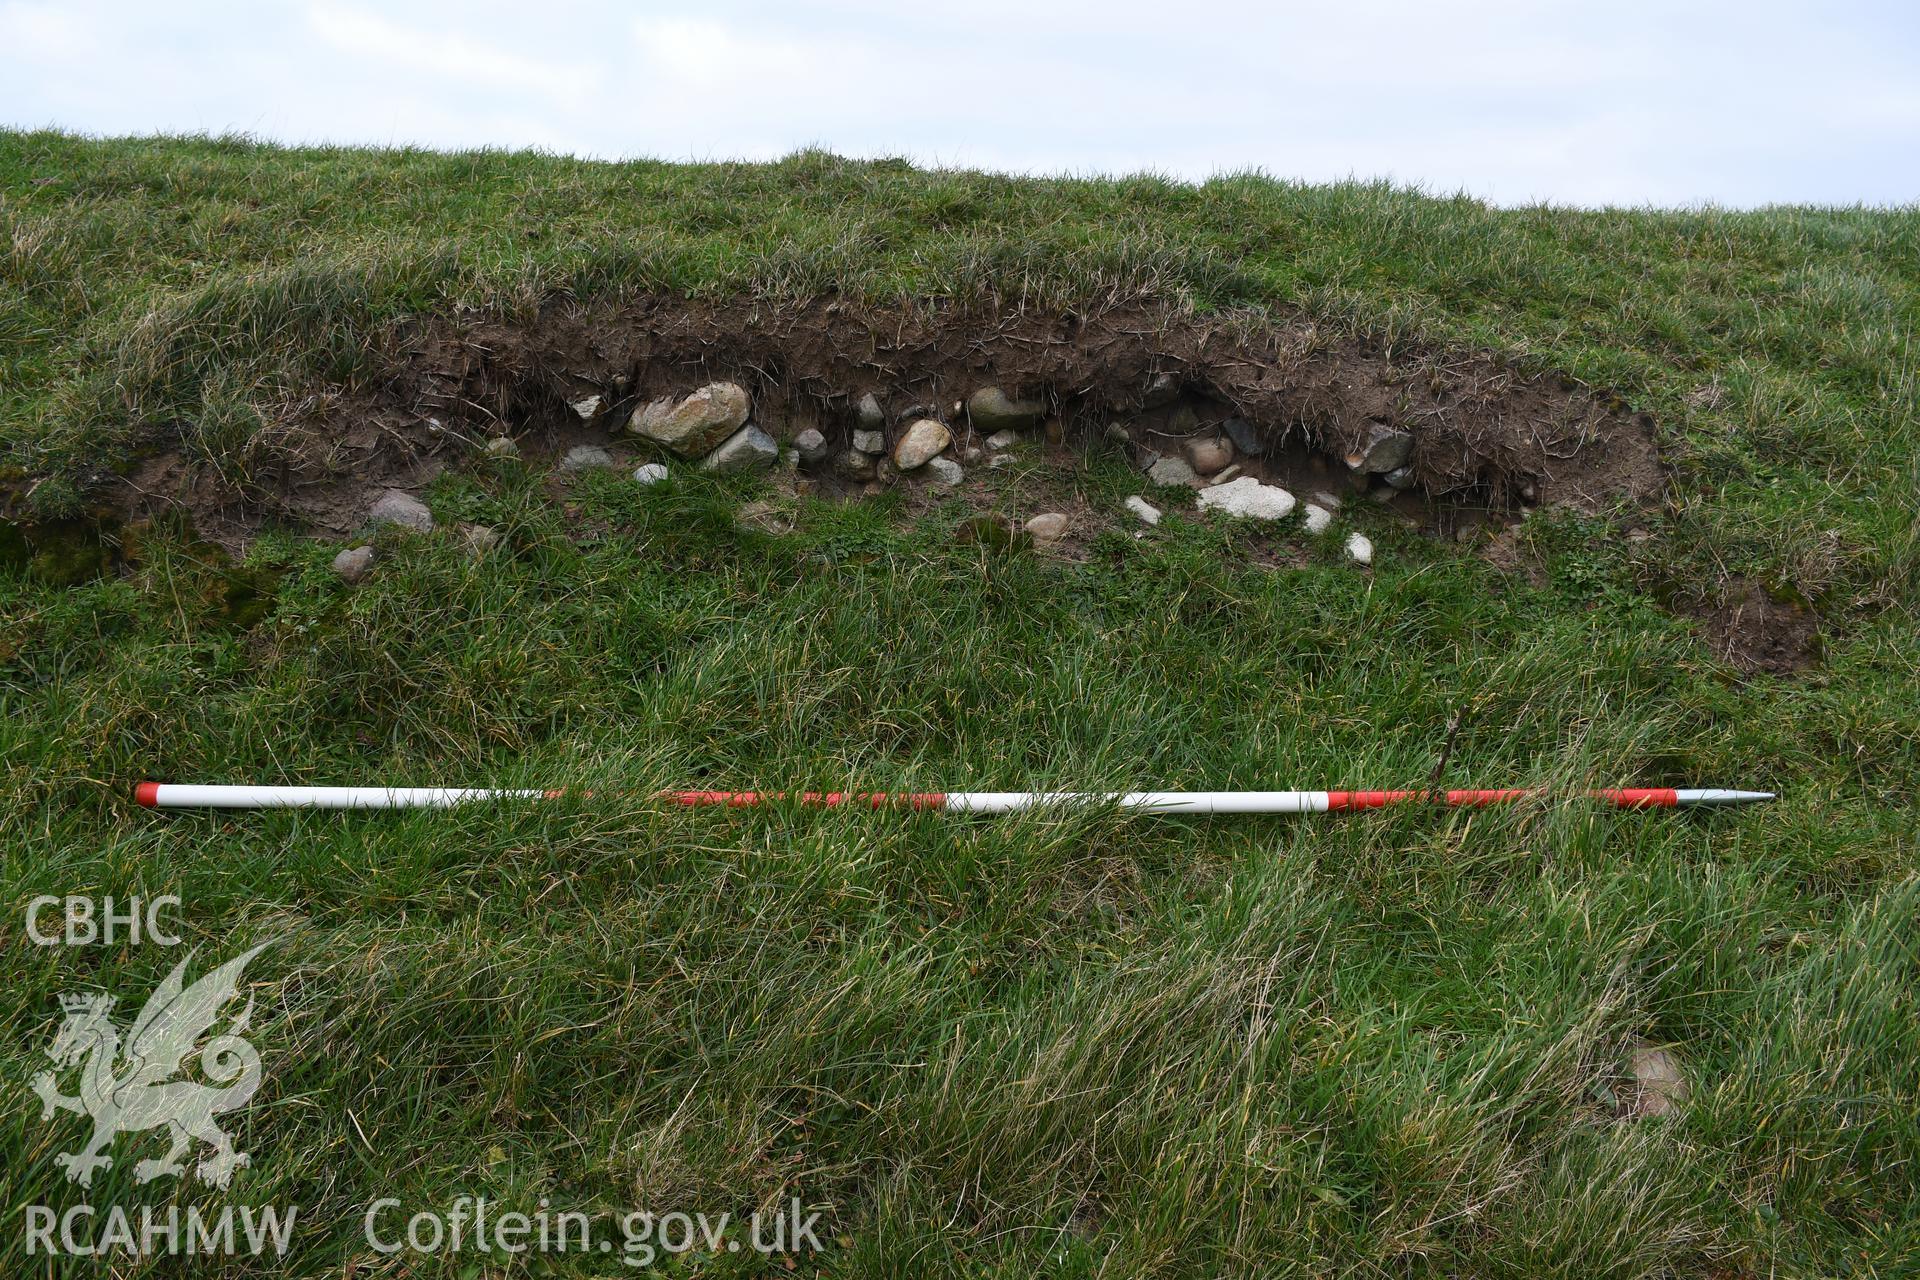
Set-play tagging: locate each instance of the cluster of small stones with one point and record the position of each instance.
(712, 428)
(1208, 462)
(398, 509)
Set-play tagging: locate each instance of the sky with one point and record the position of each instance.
(1624, 102)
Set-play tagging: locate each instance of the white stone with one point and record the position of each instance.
(920, 443)
(1360, 548)
(650, 473)
(586, 408)
(1224, 476)
(1248, 498)
(1319, 519)
(1048, 526)
(1144, 509)
(870, 441)
(1004, 439)
(696, 424)
(395, 507)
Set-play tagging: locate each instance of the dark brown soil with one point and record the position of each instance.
(1754, 629)
(1488, 438)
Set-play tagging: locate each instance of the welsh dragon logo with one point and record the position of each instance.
(136, 1086)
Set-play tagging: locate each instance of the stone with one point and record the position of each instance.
(1385, 449)
(403, 509)
(649, 473)
(1360, 548)
(1245, 436)
(855, 465)
(353, 564)
(1118, 433)
(1249, 499)
(697, 424)
(1319, 519)
(999, 460)
(1222, 477)
(1398, 479)
(1173, 471)
(478, 539)
(991, 409)
(1162, 388)
(1048, 526)
(587, 409)
(764, 516)
(1327, 500)
(502, 447)
(1659, 1086)
(748, 449)
(945, 471)
(584, 456)
(920, 443)
(1144, 509)
(1207, 455)
(869, 414)
(1004, 439)
(874, 442)
(812, 446)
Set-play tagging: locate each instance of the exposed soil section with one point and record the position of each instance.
(1754, 629)
(1488, 438)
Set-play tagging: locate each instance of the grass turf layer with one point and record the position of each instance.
(1066, 1045)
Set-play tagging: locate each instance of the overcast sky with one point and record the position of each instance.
(1608, 101)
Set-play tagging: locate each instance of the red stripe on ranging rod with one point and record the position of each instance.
(168, 795)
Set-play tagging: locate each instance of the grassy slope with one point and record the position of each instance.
(1369, 1046)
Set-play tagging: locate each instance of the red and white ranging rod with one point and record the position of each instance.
(171, 795)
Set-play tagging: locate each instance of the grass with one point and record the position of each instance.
(1071, 1044)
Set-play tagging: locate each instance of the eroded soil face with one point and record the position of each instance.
(1488, 439)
